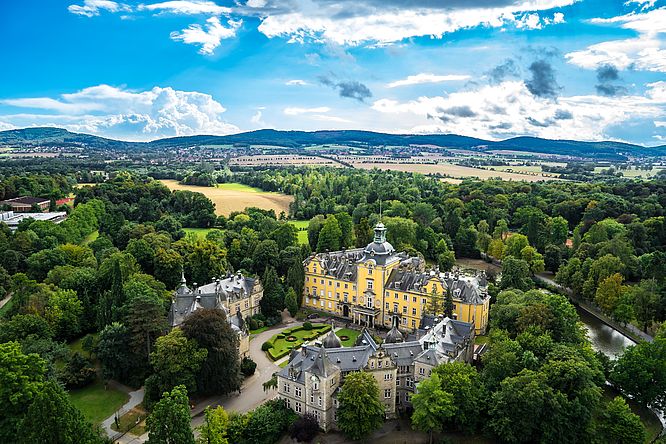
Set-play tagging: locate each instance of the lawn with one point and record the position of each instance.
(239, 187)
(97, 404)
(200, 233)
(351, 336)
(302, 227)
(259, 330)
(481, 340)
(133, 421)
(91, 237)
(292, 338)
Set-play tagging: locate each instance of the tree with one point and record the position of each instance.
(462, 381)
(641, 373)
(296, 280)
(115, 353)
(220, 372)
(533, 258)
(169, 422)
(496, 249)
(268, 422)
(446, 258)
(520, 409)
(360, 410)
(515, 244)
(346, 228)
(168, 264)
(609, 292)
(646, 302)
(63, 314)
(146, 321)
(21, 381)
(290, 302)
(305, 428)
(516, 274)
(176, 360)
(330, 235)
(362, 232)
(266, 254)
(559, 230)
(52, 418)
(214, 428)
(314, 228)
(448, 304)
(272, 302)
(617, 424)
(432, 405)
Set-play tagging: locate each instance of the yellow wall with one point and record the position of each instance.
(410, 305)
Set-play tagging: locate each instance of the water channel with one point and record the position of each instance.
(603, 338)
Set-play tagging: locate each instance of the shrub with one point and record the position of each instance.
(307, 325)
(252, 323)
(78, 372)
(280, 336)
(305, 428)
(248, 366)
(266, 346)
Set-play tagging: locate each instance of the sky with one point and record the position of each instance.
(494, 69)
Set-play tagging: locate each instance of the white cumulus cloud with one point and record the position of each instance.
(427, 78)
(187, 7)
(123, 113)
(91, 8)
(296, 82)
(646, 52)
(208, 36)
(295, 111)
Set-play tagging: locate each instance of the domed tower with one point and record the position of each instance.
(379, 248)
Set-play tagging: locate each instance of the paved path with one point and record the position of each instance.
(136, 398)
(5, 300)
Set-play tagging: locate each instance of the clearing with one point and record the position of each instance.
(302, 227)
(230, 197)
(96, 403)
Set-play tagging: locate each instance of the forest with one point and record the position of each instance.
(107, 273)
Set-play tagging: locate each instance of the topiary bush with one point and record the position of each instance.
(248, 366)
(266, 346)
(307, 325)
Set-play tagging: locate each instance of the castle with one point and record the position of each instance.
(314, 375)
(234, 293)
(376, 286)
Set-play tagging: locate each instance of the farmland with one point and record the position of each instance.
(230, 197)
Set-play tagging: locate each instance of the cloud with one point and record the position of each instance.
(296, 82)
(384, 22)
(508, 68)
(91, 8)
(607, 75)
(427, 78)
(295, 111)
(646, 52)
(257, 119)
(123, 113)
(543, 82)
(4, 126)
(187, 7)
(523, 113)
(209, 36)
(347, 88)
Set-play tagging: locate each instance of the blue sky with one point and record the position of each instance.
(562, 69)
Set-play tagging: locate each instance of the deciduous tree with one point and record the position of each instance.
(360, 410)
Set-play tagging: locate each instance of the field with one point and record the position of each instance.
(456, 171)
(97, 404)
(200, 233)
(302, 227)
(633, 172)
(230, 197)
(282, 160)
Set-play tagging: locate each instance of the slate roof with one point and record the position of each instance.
(469, 289)
(340, 264)
(26, 200)
(403, 353)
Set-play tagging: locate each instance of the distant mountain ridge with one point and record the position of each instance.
(298, 139)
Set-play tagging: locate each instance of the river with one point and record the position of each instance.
(603, 338)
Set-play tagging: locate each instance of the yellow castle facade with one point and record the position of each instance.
(376, 286)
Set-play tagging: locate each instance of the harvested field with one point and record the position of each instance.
(230, 197)
(456, 171)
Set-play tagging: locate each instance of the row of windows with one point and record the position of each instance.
(330, 283)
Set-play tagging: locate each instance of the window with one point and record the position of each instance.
(404, 321)
(369, 283)
(322, 281)
(372, 364)
(315, 385)
(332, 382)
(379, 364)
(408, 383)
(369, 302)
(421, 371)
(319, 401)
(413, 323)
(397, 382)
(322, 301)
(307, 279)
(288, 403)
(297, 391)
(330, 283)
(321, 292)
(311, 398)
(298, 407)
(405, 298)
(395, 308)
(330, 304)
(424, 301)
(337, 284)
(286, 388)
(337, 296)
(387, 305)
(387, 393)
(404, 310)
(396, 296)
(354, 299)
(346, 297)
(329, 294)
(413, 311)
(346, 285)
(388, 376)
(247, 304)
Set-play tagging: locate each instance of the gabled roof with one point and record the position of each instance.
(469, 289)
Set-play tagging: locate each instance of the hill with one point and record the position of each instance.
(607, 150)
